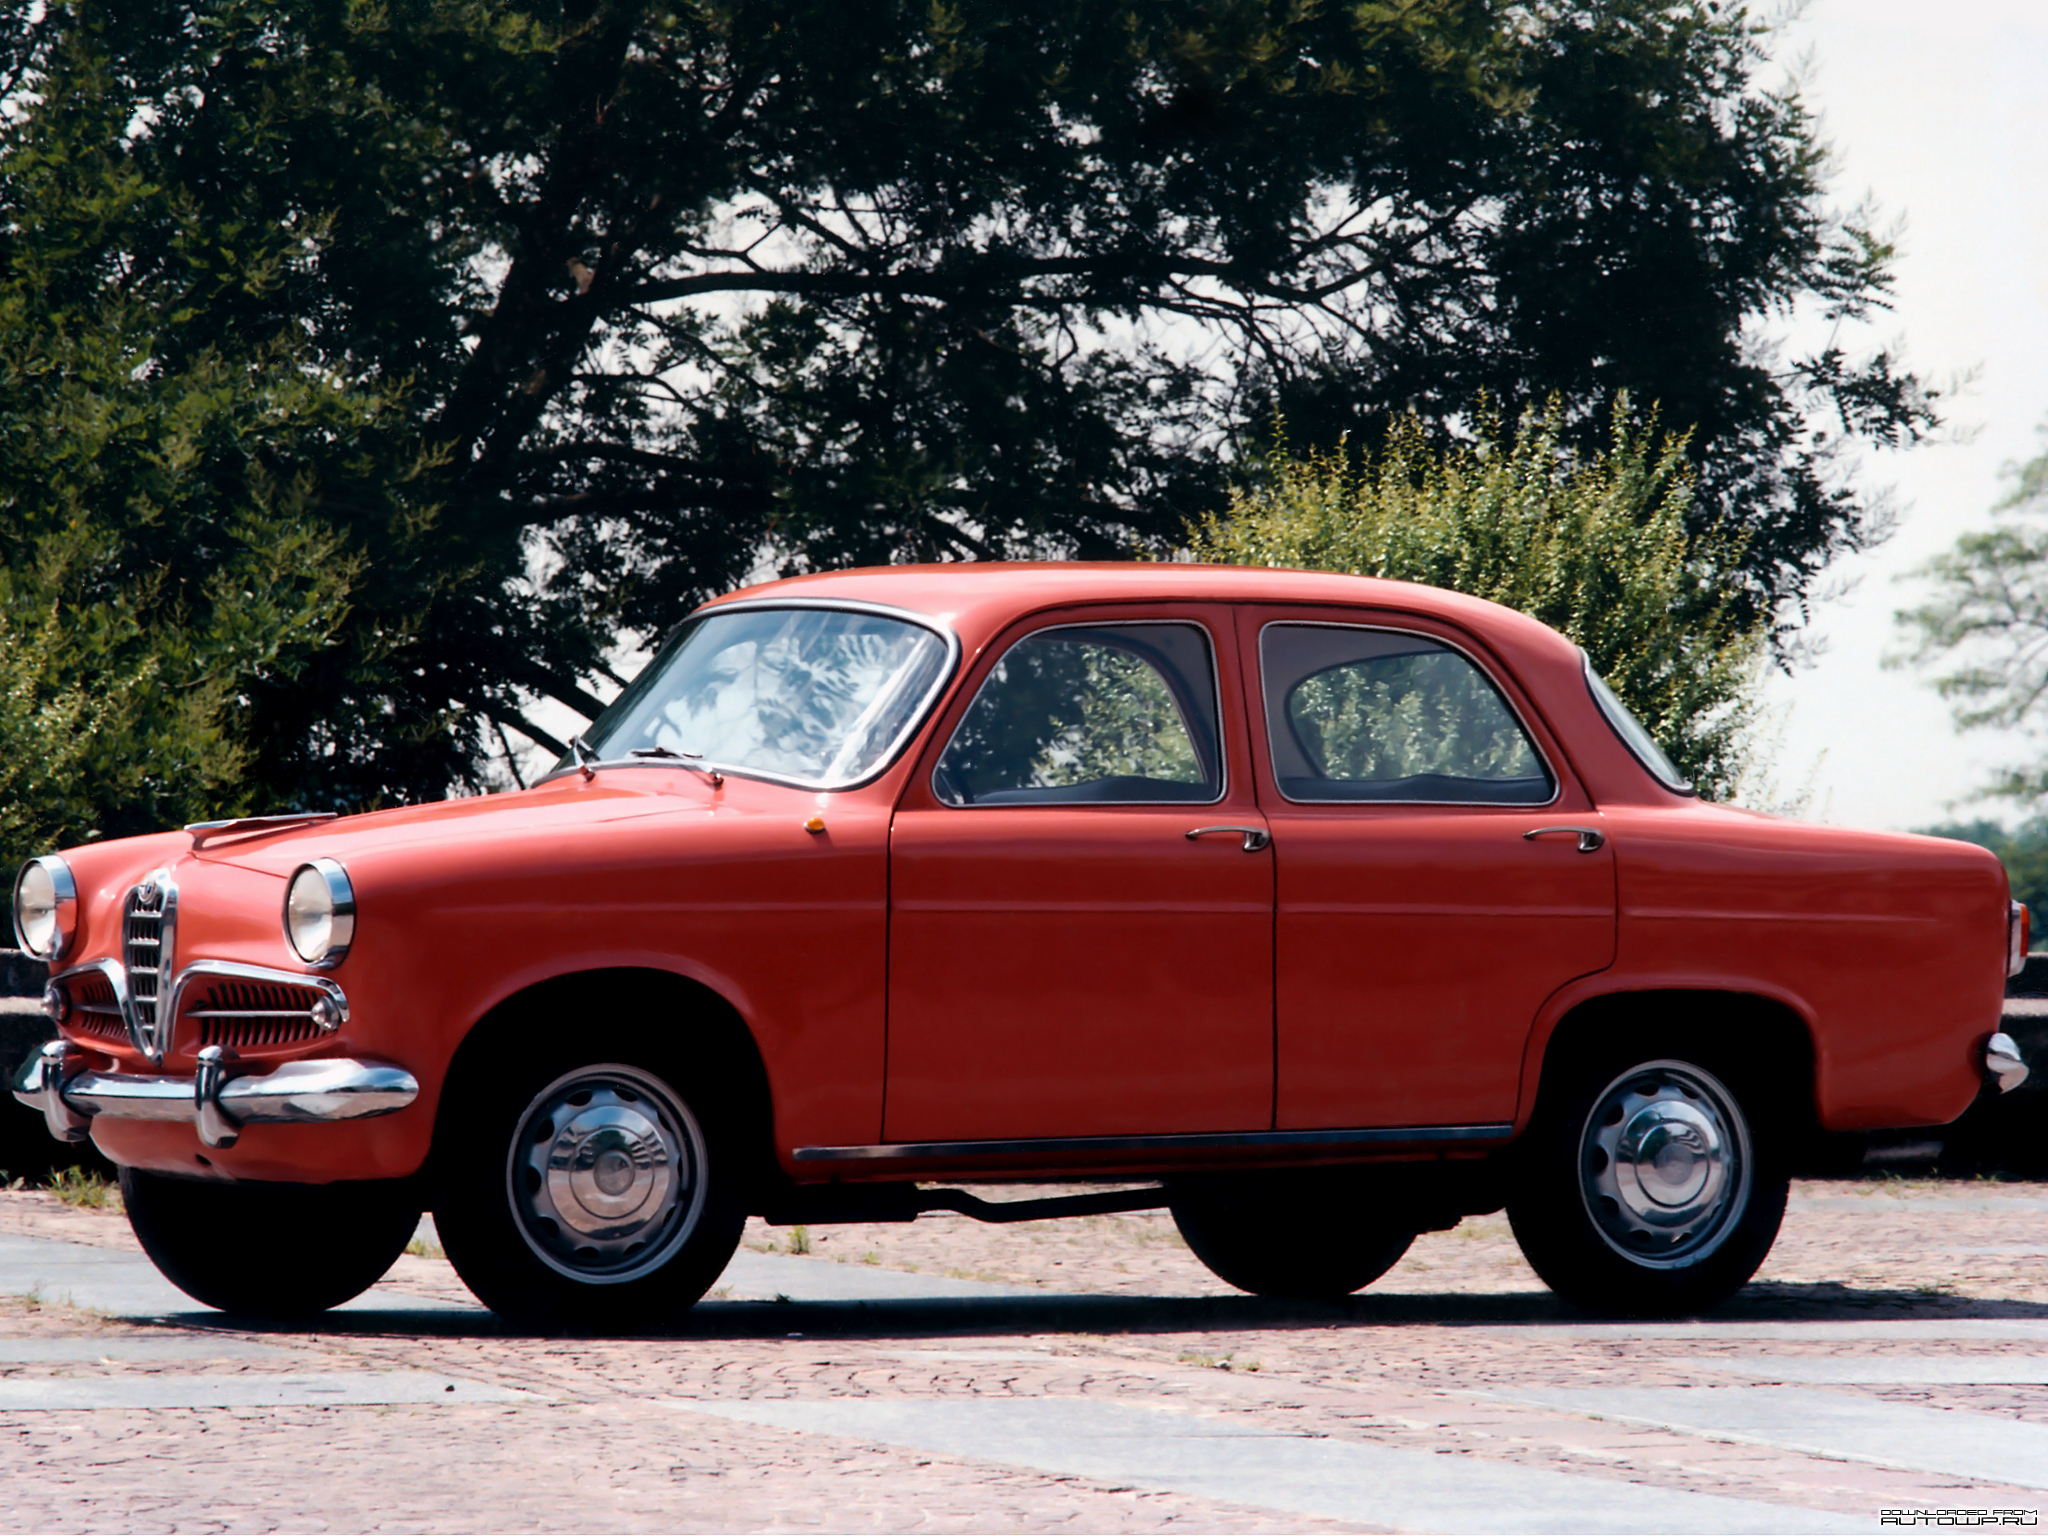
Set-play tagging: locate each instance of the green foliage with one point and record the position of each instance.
(170, 552)
(85, 1189)
(1596, 546)
(574, 308)
(1987, 623)
(2024, 852)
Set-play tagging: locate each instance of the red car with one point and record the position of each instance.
(1290, 894)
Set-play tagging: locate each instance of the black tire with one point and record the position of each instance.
(1651, 1184)
(574, 1191)
(277, 1251)
(1303, 1236)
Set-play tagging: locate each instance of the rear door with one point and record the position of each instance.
(1438, 872)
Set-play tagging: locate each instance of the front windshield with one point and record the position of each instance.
(820, 697)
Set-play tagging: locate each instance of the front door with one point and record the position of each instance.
(1065, 959)
(1439, 874)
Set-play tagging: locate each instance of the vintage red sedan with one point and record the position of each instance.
(1281, 894)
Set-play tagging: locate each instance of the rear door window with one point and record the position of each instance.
(1355, 714)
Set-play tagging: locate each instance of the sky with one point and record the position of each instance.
(1940, 112)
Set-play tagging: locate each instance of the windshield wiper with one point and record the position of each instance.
(683, 758)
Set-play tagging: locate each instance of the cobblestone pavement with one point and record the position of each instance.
(1893, 1354)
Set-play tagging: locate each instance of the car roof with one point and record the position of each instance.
(976, 598)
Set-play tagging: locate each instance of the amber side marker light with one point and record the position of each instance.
(815, 824)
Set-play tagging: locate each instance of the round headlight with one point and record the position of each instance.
(45, 907)
(320, 913)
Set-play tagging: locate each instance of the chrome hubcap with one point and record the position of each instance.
(1665, 1164)
(606, 1174)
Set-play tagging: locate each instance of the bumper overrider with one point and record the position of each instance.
(216, 1099)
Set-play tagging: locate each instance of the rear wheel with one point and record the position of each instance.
(270, 1250)
(1653, 1188)
(587, 1193)
(1298, 1236)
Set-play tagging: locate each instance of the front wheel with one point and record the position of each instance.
(1650, 1190)
(277, 1251)
(580, 1194)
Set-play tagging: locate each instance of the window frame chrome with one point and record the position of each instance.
(66, 911)
(916, 721)
(1215, 682)
(1506, 698)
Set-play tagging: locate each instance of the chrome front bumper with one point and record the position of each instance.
(297, 1093)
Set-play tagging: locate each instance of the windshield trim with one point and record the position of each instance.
(914, 723)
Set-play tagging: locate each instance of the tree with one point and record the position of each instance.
(159, 562)
(667, 287)
(1596, 547)
(1987, 623)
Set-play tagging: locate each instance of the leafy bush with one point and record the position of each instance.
(1596, 546)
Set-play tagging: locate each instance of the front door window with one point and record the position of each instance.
(1113, 714)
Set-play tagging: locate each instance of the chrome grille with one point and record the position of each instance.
(93, 1008)
(148, 933)
(245, 1014)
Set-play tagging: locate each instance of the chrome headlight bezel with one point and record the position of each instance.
(63, 908)
(327, 913)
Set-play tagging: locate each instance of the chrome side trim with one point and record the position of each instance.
(1368, 1136)
(234, 970)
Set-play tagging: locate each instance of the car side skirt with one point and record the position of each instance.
(1047, 1151)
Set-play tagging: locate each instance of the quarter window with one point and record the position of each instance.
(1364, 714)
(1113, 713)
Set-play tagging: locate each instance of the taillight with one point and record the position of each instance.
(2019, 938)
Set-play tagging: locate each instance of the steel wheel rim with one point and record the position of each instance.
(1665, 1164)
(605, 1174)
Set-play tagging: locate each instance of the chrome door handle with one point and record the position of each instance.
(1255, 838)
(1591, 840)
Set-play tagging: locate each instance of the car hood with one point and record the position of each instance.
(557, 806)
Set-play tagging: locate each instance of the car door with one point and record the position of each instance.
(1439, 873)
(1081, 895)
